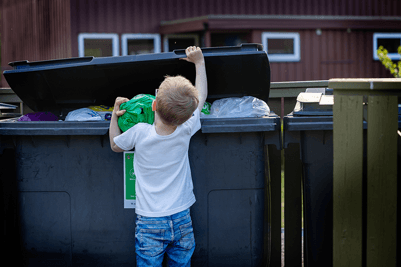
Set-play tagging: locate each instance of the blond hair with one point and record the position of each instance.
(176, 100)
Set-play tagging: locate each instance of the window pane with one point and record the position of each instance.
(280, 46)
(98, 47)
(233, 39)
(180, 43)
(140, 46)
(391, 44)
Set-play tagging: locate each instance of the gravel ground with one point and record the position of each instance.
(282, 250)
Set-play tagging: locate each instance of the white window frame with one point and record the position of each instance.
(112, 36)
(295, 57)
(178, 36)
(149, 36)
(387, 36)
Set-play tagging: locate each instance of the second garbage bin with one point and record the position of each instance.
(69, 184)
(311, 125)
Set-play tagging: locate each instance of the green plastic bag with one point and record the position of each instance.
(206, 108)
(138, 109)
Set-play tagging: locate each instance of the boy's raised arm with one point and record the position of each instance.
(114, 130)
(194, 55)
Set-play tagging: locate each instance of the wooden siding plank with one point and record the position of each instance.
(324, 54)
(314, 53)
(382, 181)
(299, 84)
(347, 180)
(292, 24)
(38, 36)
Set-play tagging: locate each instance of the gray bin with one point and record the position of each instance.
(64, 197)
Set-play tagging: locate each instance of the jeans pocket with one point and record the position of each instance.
(151, 241)
(187, 240)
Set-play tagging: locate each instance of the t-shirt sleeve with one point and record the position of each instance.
(127, 140)
(194, 122)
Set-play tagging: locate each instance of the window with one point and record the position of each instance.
(282, 47)
(98, 45)
(390, 41)
(134, 44)
(179, 41)
(228, 39)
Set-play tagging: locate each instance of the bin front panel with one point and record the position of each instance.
(46, 228)
(228, 172)
(80, 185)
(235, 227)
(317, 159)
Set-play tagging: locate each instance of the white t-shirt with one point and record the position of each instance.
(163, 176)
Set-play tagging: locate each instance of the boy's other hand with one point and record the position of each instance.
(194, 55)
(119, 101)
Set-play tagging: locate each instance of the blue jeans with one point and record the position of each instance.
(173, 235)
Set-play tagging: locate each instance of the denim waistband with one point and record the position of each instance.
(183, 214)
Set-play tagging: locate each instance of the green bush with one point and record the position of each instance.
(388, 63)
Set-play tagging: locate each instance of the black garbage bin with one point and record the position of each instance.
(68, 189)
(311, 126)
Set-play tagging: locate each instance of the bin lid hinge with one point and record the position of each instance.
(291, 137)
(273, 138)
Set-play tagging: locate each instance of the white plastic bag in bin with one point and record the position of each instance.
(83, 114)
(235, 107)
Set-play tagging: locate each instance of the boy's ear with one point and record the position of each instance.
(154, 105)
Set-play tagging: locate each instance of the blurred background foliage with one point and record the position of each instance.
(394, 68)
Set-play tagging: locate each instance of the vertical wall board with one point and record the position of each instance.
(382, 181)
(347, 180)
(34, 30)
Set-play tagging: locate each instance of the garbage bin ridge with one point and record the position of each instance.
(54, 128)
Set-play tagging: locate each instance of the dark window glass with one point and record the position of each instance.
(280, 46)
(233, 39)
(391, 44)
(98, 47)
(180, 43)
(140, 46)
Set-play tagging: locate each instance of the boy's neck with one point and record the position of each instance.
(161, 128)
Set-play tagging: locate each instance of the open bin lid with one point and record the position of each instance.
(314, 102)
(60, 86)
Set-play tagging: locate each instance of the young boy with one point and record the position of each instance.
(164, 187)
